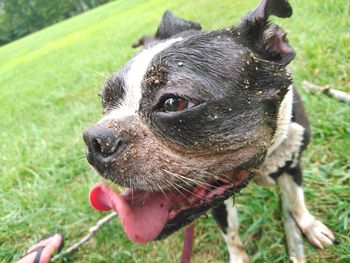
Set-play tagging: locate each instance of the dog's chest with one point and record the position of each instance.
(286, 154)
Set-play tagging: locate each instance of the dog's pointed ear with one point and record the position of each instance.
(169, 26)
(172, 25)
(263, 37)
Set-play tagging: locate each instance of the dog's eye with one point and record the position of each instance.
(176, 104)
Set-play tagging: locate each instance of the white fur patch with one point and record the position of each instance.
(283, 120)
(232, 217)
(293, 197)
(133, 80)
(293, 200)
(287, 150)
(232, 239)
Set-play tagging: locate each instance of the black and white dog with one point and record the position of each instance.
(192, 118)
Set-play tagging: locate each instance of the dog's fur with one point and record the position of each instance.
(243, 114)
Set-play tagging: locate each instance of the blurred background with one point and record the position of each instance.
(19, 18)
(54, 58)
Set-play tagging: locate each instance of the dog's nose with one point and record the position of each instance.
(103, 143)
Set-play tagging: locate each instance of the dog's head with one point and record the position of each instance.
(189, 119)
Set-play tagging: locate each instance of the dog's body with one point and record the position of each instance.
(192, 118)
(282, 165)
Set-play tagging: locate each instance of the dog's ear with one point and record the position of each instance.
(170, 25)
(263, 37)
(143, 41)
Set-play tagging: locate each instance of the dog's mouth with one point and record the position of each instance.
(148, 216)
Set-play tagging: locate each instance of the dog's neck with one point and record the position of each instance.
(286, 143)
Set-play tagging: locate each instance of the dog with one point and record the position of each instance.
(195, 116)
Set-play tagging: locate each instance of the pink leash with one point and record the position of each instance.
(188, 244)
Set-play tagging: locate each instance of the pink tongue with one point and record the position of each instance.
(143, 218)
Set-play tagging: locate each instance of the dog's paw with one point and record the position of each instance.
(239, 258)
(295, 260)
(318, 234)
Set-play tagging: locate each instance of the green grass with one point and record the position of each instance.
(48, 86)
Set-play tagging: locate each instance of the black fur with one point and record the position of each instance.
(263, 37)
(296, 173)
(112, 92)
(172, 25)
(226, 96)
(220, 216)
(299, 116)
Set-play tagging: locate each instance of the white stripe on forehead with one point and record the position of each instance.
(133, 80)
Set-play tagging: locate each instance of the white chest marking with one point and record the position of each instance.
(283, 120)
(288, 150)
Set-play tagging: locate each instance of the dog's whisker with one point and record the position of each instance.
(160, 188)
(183, 179)
(224, 178)
(176, 189)
(175, 175)
(203, 184)
(132, 196)
(183, 188)
(190, 192)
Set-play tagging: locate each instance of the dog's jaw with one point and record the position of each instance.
(148, 216)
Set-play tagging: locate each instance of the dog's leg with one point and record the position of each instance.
(294, 205)
(294, 237)
(226, 216)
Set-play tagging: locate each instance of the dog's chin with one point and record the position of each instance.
(148, 215)
(202, 203)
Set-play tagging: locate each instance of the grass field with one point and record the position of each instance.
(48, 86)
